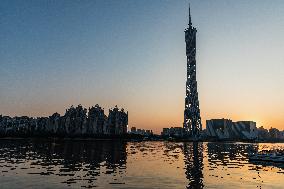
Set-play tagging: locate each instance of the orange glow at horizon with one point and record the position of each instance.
(134, 57)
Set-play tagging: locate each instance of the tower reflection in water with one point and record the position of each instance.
(193, 153)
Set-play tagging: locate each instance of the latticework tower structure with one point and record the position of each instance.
(192, 119)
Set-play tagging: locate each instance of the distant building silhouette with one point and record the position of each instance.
(178, 132)
(138, 131)
(133, 130)
(192, 119)
(274, 133)
(263, 133)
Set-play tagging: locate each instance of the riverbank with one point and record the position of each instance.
(133, 137)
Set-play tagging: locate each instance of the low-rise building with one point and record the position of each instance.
(274, 133)
(141, 131)
(245, 129)
(133, 130)
(226, 129)
(263, 133)
(282, 135)
(173, 132)
(219, 128)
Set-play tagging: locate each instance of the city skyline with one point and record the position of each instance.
(132, 54)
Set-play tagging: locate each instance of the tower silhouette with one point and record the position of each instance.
(192, 120)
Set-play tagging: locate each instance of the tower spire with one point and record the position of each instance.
(189, 16)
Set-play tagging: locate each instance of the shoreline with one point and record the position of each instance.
(132, 139)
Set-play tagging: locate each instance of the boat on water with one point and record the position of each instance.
(268, 156)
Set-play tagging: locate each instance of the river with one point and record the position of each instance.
(31, 163)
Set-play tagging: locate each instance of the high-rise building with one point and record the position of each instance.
(192, 120)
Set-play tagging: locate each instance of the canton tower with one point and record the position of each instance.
(192, 119)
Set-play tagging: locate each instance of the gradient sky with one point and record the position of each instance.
(56, 53)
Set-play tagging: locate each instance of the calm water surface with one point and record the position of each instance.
(116, 164)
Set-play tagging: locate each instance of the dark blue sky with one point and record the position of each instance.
(132, 53)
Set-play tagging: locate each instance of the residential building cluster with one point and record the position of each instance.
(76, 121)
(143, 132)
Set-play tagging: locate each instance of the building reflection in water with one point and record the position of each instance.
(76, 160)
(193, 153)
(229, 153)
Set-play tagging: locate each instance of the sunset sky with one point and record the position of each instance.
(56, 53)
